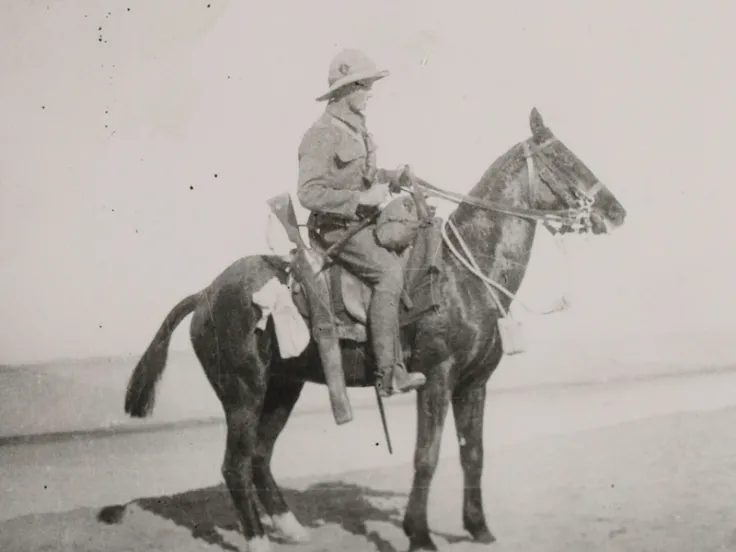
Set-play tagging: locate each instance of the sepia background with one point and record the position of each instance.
(140, 142)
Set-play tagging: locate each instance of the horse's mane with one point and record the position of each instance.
(499, 172)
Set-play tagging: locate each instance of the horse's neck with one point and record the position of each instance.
(501, 244)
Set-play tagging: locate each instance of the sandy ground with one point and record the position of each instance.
(629, 466)
(86, 395)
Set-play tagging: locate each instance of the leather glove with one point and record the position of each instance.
(392, 177)
(385, 175)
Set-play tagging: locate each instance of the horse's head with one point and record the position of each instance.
(567, 183)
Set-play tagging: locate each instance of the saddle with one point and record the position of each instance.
(350, 296)
(341, 298)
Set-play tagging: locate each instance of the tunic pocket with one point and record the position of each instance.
(349, 151)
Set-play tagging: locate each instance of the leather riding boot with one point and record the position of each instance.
(384, 325)
(400, 380)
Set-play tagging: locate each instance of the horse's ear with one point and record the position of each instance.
(536, 123)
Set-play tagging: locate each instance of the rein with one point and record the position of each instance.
(575, 217)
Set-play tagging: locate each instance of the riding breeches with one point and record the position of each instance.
(382, 270)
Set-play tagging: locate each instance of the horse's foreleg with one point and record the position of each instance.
(277, 406)
(468, 405)
(432, 404)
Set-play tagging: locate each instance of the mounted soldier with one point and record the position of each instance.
(452, 319)
(341, 185)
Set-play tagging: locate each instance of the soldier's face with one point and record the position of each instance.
(358, 98)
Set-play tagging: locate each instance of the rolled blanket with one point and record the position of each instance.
(292, 332)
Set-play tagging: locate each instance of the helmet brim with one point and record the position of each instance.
(368, 77)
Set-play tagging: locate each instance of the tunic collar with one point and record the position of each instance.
(348, 116)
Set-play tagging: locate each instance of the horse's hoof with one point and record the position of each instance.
(484, 536)
(418, 544)
(418, 535)
(258, 544)
(289, 528)
(480, 533)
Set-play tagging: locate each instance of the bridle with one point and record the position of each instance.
(577, 216)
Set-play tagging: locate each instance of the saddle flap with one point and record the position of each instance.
(346, 295)
(356, 295)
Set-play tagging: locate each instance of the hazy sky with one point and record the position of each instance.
(140, 141)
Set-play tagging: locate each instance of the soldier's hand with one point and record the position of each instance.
(396, 179)
(375, 195)
(401, 179)
(384, 176)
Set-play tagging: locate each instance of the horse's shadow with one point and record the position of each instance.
(208, 512)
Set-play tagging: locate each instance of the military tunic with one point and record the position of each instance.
(337, 161)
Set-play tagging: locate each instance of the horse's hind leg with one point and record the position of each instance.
(237, 468)
(236, 368)
(281, 396)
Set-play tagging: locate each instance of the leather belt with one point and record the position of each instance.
(324, 222)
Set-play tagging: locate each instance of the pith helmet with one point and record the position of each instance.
(351, 66)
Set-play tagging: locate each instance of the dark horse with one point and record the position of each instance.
(258, 389)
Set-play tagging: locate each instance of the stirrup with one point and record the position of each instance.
(388, 384)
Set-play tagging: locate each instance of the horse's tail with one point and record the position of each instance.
(141, 393)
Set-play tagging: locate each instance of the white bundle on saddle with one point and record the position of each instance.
(292, 332)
